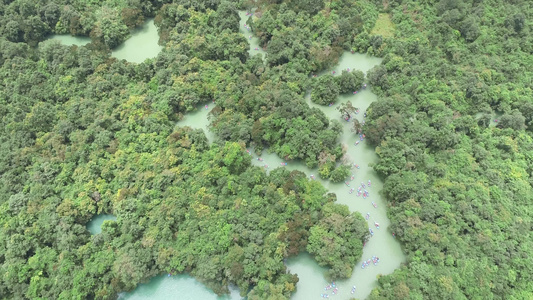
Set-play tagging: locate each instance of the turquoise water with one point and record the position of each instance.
(175, 287)
(95, 224)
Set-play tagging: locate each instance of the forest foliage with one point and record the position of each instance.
(454, 135)
(82, 133)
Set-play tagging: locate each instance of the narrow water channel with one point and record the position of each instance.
(255, 47)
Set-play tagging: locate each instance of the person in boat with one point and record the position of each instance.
(356, 143)
(259, 159)
(376, 224)
(393, 235)
(353, 176)
(351, 190)
(357, 166)
(266, 166)
(312, 176)
(256, 49)
(347, 183)
(355, 92)
(375, 205)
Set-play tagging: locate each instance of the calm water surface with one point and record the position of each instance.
(181, 287)
(95, 224)
(67, 39)
(142, 44)
(255, 48)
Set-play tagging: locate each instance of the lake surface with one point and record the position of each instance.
(181, 287)
(142, 44)
(312, 281)
(95, 224)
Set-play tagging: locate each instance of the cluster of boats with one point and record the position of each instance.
(374, 260)
(334, 289)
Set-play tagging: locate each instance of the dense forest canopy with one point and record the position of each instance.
(82, 133)
(460, 189)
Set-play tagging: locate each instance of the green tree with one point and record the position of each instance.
(325, 90)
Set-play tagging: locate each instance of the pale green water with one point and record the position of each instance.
(181, 287)
(252, 39)
(67, 39)
(142, 44)
(95, 224)
(198, 119)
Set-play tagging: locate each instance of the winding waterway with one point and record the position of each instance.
(255, 48)
(382, 244)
